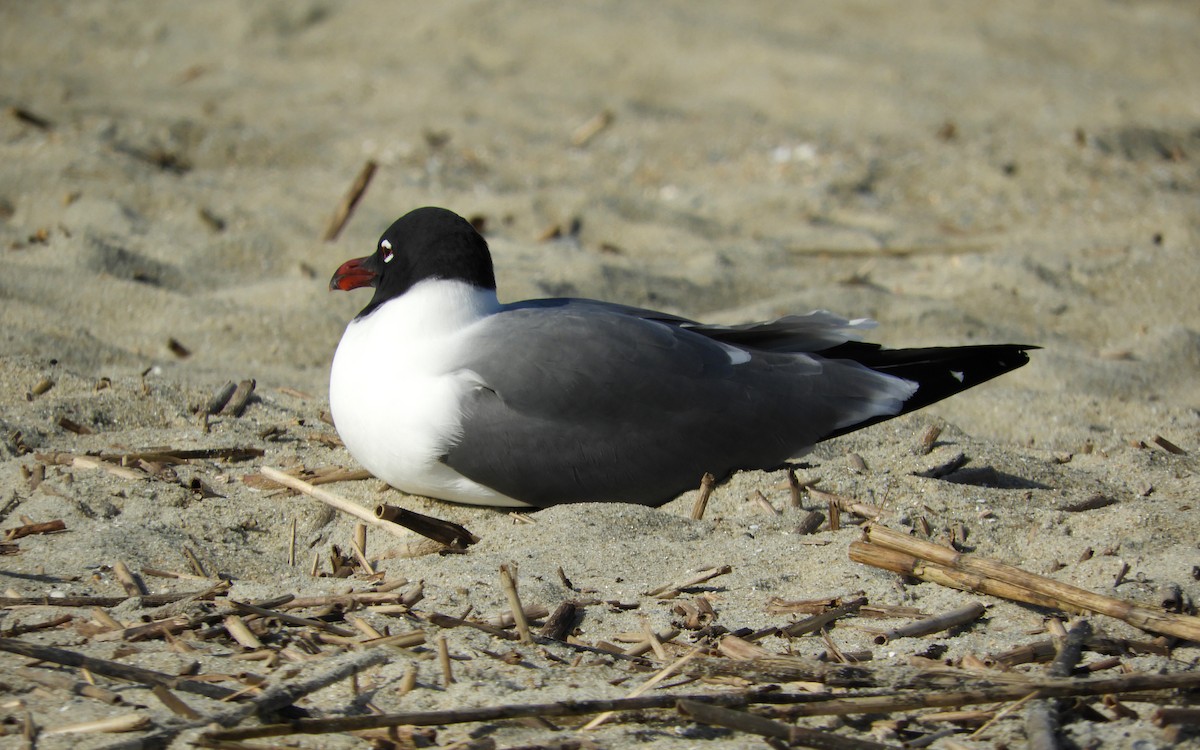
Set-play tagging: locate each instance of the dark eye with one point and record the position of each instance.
(385, 248)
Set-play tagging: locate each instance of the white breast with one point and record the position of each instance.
(395, 390)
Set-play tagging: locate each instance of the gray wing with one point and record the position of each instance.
(583, 403)
(813, 332)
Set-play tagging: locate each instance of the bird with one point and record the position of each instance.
(441, 390)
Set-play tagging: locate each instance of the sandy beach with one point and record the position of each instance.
(960, 173)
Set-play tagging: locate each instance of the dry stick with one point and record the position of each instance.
(952, 619)
(560, 622)
(293, 619)
(46, 527)
(132, 585)
(1169, 715)
(113, 669)
(172, 701)
(707, 483)
(441, 531)
(220, 397)
(336, 501)
(810, 523)
(443, 649)
(898, 562)
(671, 589)
(762, 502)
(996, 694)
(662, 674)
(360, 544)
(590, 129)
(349, 201)
(495, 713)
(1167, 623)
(241, 395)
(509, 585)
(1042, 718)
(124, 723)
(816, 622)
(801, 704)
(20, 629)
(795, 489)
(197, 566)
(706, 713)
(271, 701)
(70, 684)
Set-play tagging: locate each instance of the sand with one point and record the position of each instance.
(962, 174)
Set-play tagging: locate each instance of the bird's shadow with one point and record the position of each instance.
(987, 476)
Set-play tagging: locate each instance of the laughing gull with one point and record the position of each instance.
(440, 390)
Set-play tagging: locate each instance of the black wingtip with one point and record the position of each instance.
(939, 372)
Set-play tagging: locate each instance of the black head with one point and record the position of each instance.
(427, 243)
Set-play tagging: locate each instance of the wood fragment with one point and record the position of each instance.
(41, 387)
(936, 624)
(980, 572)
(33, 627)
(810, 523)
(800, 704)
(133, 585)
(1093, 502)
(194, 562)
(819, 621)
(850, 505)
(441, 531)
(236, 627)
(508, 583)
(707, 483)
(112, 724)
(291, 619)
(532, 612)
(1042, 727)
(90, 462)
(174, 703)
(443, 649)
(795, 489)
(150, 600)
(591, 128)
(742, 721)
(240, 397)
(1122, 571)
(113, 669)
(349, 201)
(71, 425)
(1168, 715)
(70, 684)
(666, 591)
(29, 529)
(333, 500)
(220, 397)
(928, 439)
(764, 504)
(28, 117)
(1168, 446)
(447, 621)
(561, 621)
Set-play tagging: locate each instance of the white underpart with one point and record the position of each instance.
(395, 394)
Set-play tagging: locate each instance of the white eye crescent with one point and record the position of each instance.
(386, 247)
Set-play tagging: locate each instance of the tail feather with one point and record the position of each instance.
(939, 372)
